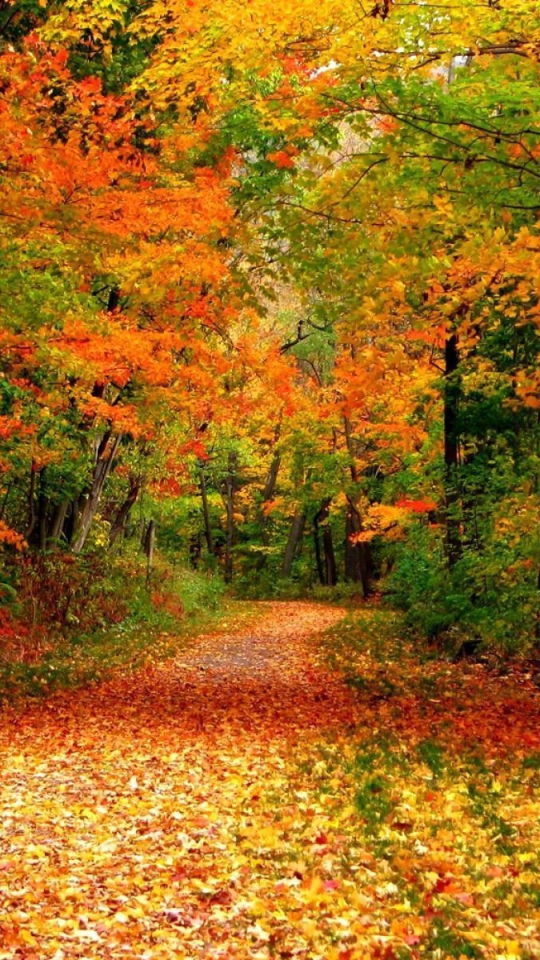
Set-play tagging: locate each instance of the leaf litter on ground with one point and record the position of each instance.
(302, 786)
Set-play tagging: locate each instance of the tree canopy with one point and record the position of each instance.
(270, 277)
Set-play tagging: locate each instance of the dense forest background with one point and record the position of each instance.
(269, 294)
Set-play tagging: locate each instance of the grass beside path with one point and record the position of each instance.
(126, 646)
(444, 769)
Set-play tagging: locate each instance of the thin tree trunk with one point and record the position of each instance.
(358, 562)
(37, 521)
(206, 512)
(149, 544)
(31, 503)
(537, 617)
(230, 488)
(296, 533)
(195, 550)
(105, 456)
(119, 523)
(59, 519)
(326, 561)
(452, 390)
(268, 494)
(85, 507)
(330, 568)
(43, 504)
(318, 554)
(5, 500)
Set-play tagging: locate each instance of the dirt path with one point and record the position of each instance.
(149, 817)
(241, 803)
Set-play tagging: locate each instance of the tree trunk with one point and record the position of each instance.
(295, 538)
(195, 550)
(87, 509)
(31, 504)
(537, 617)
(43, 504)
(358, 564)
(452, 390)
(230, 486)
(5, 499)
(330, 568)
(206, 512)
(149, 544)
(268, 494)
(58, 521)
(318, 555)
(36, 533)
(119, 523)
(326, 561)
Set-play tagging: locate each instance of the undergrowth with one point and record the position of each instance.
(445, 780)
(66, 622)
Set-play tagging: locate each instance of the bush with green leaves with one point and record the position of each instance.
(490, 594)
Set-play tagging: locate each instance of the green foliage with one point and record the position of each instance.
(366, 209)
(67, 621)
(491, 593)
(198, 591)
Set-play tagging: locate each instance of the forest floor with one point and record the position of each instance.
(307, 785)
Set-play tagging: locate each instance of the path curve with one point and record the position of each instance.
(133, 811)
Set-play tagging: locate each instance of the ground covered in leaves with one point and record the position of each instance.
(305, 785)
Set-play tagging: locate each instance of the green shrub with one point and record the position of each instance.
(490, 593)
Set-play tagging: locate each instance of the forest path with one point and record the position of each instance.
(139, 816)
(242, 802)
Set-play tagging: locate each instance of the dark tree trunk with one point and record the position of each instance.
(5, 499)
(43, 505)
(452, 391)
(206, 512)
(296, 533)
(326, 561)
(58, 521)
(149, 545)
(268, 493)
(46, 523)
(36, 533)
(195, 550)
(330, 569)
(113, 300)
(230, 489)
(537, 619)
(358, 563)
(31, 504)
(318, 554)
(118, 525)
